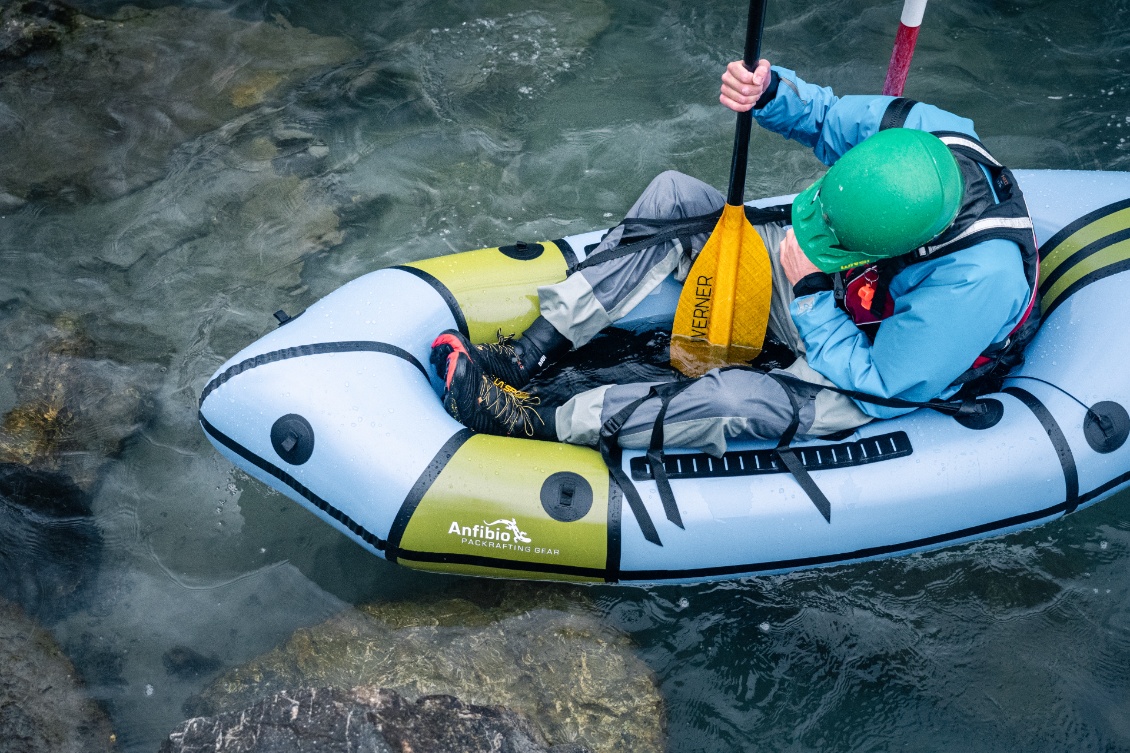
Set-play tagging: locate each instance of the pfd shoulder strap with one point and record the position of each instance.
(895, 114)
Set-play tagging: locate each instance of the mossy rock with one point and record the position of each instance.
(538, 650)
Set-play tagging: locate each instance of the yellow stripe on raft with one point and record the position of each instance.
(488, 503)
(1113, 254)
(1084, 236)
(495, 291)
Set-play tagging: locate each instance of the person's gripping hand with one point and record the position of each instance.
(793, 261)
(742, 88)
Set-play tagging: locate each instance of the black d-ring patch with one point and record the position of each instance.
(566, 496)
(523, 251)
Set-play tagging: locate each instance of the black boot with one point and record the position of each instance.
(491, 406)
(513, 360)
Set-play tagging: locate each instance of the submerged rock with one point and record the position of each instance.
(98, 115)
(32, 25)
(43, 708)
(74, 411)
(535, 651)
(361, 720)
(50, 546)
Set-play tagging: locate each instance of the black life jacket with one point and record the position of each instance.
(988, 211)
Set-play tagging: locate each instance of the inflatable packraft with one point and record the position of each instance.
(339, 410)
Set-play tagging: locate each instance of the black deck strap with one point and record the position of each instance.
(788, 456)
(317, 349)
(613, 456)
(356, 528)
(681, 229)
(1059, 442)
(895, 114)
(671, 229)
(948, 407)
(665, 392)
(447, 296)
(420, 488)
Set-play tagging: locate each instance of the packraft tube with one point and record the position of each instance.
(339, 410)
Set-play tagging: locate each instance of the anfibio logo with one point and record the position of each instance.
(501, 534)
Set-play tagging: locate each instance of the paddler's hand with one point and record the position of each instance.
(793, 261)
(742, 88)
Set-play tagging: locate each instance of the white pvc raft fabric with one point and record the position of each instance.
(339, 410)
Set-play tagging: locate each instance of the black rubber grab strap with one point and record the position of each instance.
(1059, 444)
(613, 455)
(665, 392)
(788, 456)
(895, 114)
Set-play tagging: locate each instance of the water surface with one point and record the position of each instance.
(444, 126)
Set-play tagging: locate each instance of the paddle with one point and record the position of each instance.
(724, 307)
(909, 23)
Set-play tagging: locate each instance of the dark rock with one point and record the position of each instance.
(50, 546)
(368, 719)
(32, 25)
(183, 662)
(43, 708)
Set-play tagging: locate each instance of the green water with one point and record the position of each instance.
(458, 124)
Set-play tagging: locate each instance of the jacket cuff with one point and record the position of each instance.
(770, 91)
(816, 282)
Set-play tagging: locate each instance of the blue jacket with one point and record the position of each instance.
(947, 310)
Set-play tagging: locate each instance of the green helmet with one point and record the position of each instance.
(887, 196)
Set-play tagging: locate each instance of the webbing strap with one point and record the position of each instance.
(613, 455)
(665, 393)
(788, 456)
(895, 114)
(682, 228)
(672, 229)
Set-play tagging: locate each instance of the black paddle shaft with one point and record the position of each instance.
(736, 196)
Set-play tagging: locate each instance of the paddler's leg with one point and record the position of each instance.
(721, 405)
(575, 310)
(590, 300)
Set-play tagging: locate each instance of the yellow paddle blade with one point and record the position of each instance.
(724, 307)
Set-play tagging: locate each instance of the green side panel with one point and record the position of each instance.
(1082, 237)
(494, 290)
(483, 515)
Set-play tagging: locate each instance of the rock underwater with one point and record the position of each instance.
(361, 720)
(43, 707)
(97, 105)
(536, 651)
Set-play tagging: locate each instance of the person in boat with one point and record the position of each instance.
(908, 271)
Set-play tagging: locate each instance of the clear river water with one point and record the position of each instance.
(170, 179)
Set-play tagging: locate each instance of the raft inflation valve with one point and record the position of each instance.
(566, 496)
(523, 251)
(1106, 426)
(292, 436)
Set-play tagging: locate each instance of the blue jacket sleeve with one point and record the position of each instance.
(830, 125)
(947, 310)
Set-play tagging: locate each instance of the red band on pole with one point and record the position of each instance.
(900, 60)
